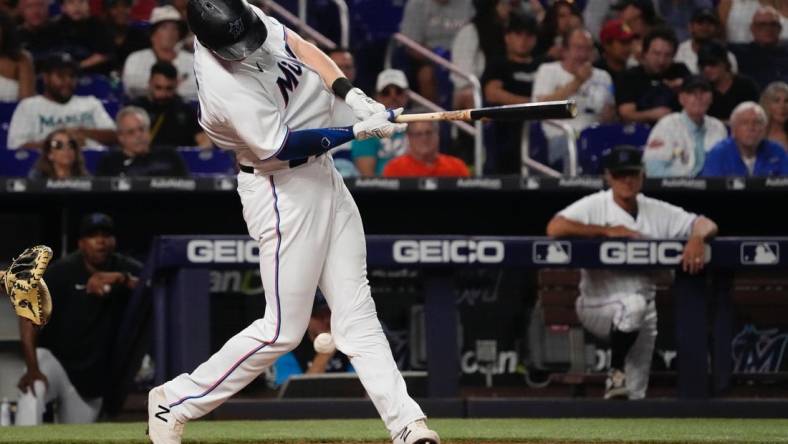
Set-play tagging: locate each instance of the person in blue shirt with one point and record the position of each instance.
(746, 152)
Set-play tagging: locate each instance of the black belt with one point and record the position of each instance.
(291, 164)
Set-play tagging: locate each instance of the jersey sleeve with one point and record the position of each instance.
(258, 122)
(103, 119)
(674, 221)
(582, 210)
(21, 130)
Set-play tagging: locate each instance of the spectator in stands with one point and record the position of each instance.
(678, 143)
(574, 78)
(17, 76)
(618, 305)
(765, 59)
(560, 17)
(371, 155)
(774, 101)
(35, 30)
(423, 158)
(641, 17)
(86, 38)
(476, 43)
(746, 152)
(678, 15)
(61, 158)
(174, 122)
(705, 26)
(135, 157)
(730, 89)
(69, 360)
(167, 29)
(616, 39)
(737, 17)
(125, 38)
(647, 93)
(58, 107)
(509, 81)
(432, 24)
(342, 115)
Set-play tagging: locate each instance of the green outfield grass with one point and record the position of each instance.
(451, 431)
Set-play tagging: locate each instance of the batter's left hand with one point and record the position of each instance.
(693, 259)
(362, 105)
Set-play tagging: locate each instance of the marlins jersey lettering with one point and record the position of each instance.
(270, 90)
(655, 219)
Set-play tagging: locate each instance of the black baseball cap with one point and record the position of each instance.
(96, 222)
(705, 15)
(59, 60)
(623, 158)
(695, 83)
(712, 52)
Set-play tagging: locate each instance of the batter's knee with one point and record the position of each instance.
(632, 314)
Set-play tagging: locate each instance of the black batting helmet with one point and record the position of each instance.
(229, 28)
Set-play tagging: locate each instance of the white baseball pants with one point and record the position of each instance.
(628, 313)
(310, 234)
(71, 409)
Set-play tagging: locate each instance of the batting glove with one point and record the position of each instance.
(379, 125)
(362, 105)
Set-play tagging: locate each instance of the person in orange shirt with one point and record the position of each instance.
(422, 157)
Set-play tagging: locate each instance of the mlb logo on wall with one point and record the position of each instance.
(760, 253)
(552, 252)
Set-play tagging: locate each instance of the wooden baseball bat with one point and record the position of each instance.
(559, 109)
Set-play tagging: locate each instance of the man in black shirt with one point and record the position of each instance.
(68, 360)
(135, 157)
(729, 89)
(765, 59)
(174, 123)
(83, 36)
(507, 82)
(648, 92)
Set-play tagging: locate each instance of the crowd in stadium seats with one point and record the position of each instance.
(628, 63)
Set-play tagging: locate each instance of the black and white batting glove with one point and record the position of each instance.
(379, 125)
(362, 105)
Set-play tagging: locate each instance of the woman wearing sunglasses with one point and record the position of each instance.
(61, 158)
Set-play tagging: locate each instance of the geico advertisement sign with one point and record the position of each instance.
(644, 253)
(448, 251)
(222, 251)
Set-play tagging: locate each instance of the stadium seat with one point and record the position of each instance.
(6, 111)
(202, 162)
(17, 163)
(596, 139)
(99, 86)
(112, 106)
(92, 157)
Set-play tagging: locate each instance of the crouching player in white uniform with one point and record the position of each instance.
(268, 95)
(618, 305)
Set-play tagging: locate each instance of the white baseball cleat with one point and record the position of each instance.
(162, 427)
(416, 433)
(616, 385)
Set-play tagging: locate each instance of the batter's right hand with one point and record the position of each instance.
(621, 231)
(28, 380)
(379, 125)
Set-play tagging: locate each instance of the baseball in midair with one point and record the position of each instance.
(324, 343)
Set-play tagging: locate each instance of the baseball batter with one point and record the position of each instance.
(266, 94)
(619, 305)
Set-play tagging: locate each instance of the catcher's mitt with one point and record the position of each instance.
(24, 283)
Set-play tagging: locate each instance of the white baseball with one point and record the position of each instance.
(324, 343)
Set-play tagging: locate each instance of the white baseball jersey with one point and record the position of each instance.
(306, 224)
(591, 97)
(271, 89)
(670, 150)
(655, 219)
(37, 116)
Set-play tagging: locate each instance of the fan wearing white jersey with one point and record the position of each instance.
(618, 305)
(266, 94)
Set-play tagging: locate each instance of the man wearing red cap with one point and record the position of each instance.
(616, 39)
